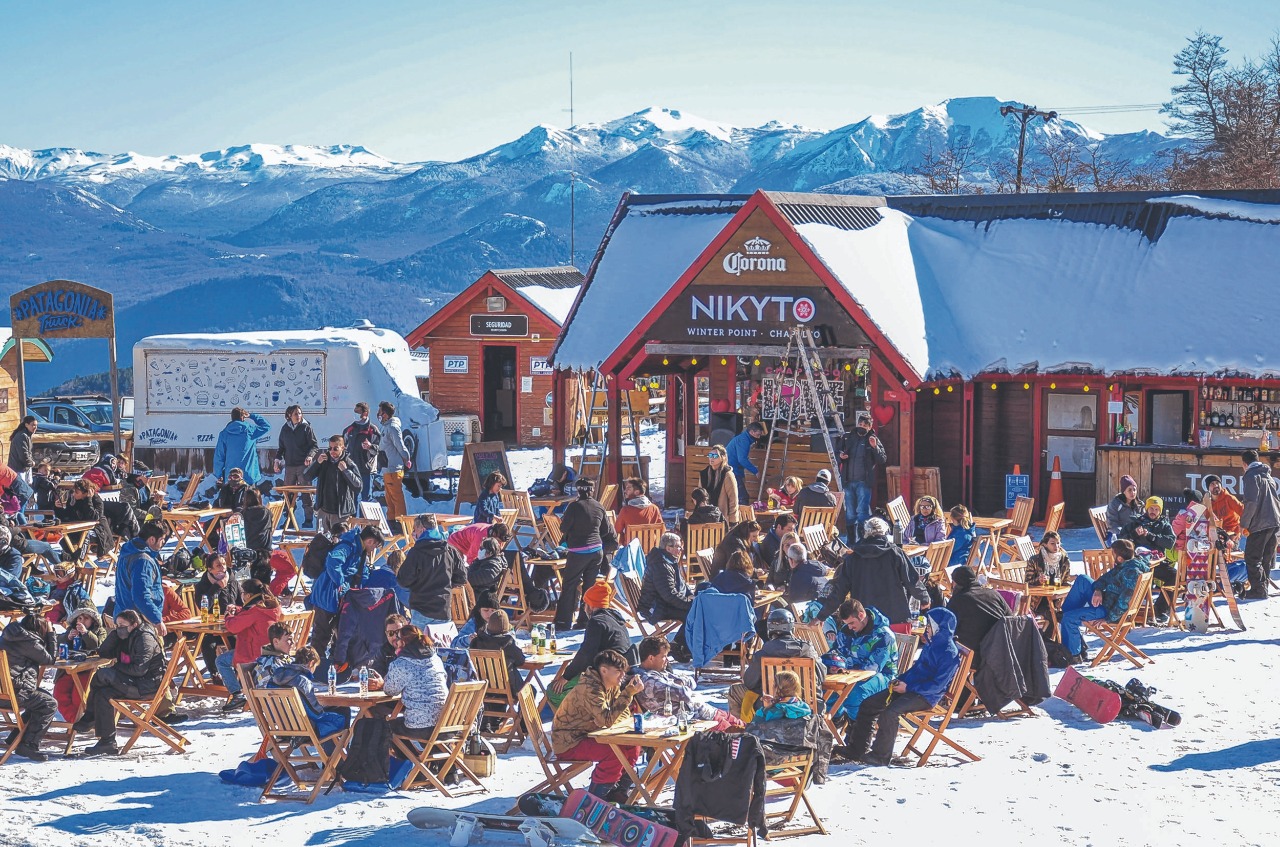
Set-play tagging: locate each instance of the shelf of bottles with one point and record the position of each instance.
(1239, 406)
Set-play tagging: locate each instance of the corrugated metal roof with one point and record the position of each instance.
(564, 276)
(1126, 209)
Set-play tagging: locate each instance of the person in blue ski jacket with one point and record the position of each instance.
(864, 642)
(237, 446)
(919, 688)
(739, 456)
(346, 565)
(138, 576)
(1108, 597)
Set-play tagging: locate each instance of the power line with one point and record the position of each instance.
(1110, 110)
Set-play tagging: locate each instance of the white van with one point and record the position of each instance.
(185, 387)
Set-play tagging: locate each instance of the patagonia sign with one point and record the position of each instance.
(64, 309)
(754, 256)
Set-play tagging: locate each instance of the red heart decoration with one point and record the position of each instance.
(882, 414)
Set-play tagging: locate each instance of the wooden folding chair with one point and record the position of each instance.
(938, 555)
(790, 779)
(10, 712)
(551, 524)
(526, 521)
(448, 740)
(1115, 636)
(922, 722)
(275, 509)
(648, 533)
(815, 538)
(701, 536)
(746, 512)
(188, 596)
(1098, 562)
(293, 743)
(145, 714)
(1022, 603)
(1053, 518)
(189, 493)
(1013, 572)
(824, 516)
(631, 593)
(1021, 517)
(801, 666)
(158, 485)
(1098, 517)
(700, 566)
(462, 600)
(812, 632)
(607, 495)
(299, 624)
(508, 517)
(907, 646)
(557, 774)
(899, 513)
(499, 703)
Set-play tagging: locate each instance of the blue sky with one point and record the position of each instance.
(441, 80)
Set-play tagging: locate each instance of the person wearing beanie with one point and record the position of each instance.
(496, 635)
(1124, 508)
(818, 493)
(606, 630)
(1152, 531)
(590, 542)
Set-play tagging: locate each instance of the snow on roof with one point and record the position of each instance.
(1262, 212)
(272, 340)
(876, 267)
(556, 302)
(1048, 291)
(644, 253)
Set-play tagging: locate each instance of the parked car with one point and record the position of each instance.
(76, 454)
(90, 412)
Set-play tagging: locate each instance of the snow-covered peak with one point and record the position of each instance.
(661, 124)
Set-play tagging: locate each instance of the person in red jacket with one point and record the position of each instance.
(637, 507)
(250, 626)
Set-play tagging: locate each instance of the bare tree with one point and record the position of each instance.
(1058, 166)
(943, 172)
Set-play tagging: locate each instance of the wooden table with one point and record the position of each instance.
(914, 549)
(1055, 594)
(82, 672)
(291, 494)
(201, 523)
(191, 679)
(842, 685)
(73, 534)
(349, 695)
(666, 752)
(450, 521)
(995, 527)
(773, 514)
(537, 664)
(552, 501)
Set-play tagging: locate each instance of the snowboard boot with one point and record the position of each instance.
(602, 789)
(620, 791)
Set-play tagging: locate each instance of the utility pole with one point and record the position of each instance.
(1025, 114)
(573, 257)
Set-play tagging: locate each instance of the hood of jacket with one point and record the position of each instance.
(640, 502)
(819, 487)
(421, 650)
(286, 675)
(86, 610)
(873, 547)
(943, 642)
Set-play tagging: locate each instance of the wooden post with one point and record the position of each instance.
(115, 397)
(967, 424)
(614, 435)
(907, 441)
(22, 378)
(559, 413)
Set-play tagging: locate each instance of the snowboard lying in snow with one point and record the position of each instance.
(1088, 695)
(473, 827)
(1135, 702)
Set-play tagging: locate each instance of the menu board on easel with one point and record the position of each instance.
(478, 461)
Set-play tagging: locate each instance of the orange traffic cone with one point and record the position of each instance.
(1055, 487)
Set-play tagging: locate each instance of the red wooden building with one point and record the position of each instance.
(489, 347)
(1000, 330)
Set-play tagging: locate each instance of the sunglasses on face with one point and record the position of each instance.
(713, 455)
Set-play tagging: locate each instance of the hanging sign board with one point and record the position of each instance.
(1016, 485)
(515, 326)
(62, 309)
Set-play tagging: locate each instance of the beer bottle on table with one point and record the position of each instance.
(204, 610)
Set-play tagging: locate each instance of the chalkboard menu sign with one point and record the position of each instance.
(478, 461)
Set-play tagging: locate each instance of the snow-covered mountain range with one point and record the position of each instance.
(303, 235)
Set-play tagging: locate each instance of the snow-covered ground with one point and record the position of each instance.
(1057, 778)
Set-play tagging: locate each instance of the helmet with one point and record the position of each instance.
(781, 622)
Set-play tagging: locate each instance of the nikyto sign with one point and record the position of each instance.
(500, 325)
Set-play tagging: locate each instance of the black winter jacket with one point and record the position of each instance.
(296, 443)
(27, 652)
(485, 573)
(605, 631)
(257, 528)
(664, 595)
(430, 572)
(977, 610)
(585, 524)
(878, 574)
(863, 458)
(230, 595)
(815, 494)
(138, 657)
(337, 489)
(1014, 665)
(21, 459)
(355, 435)
(721, 777)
